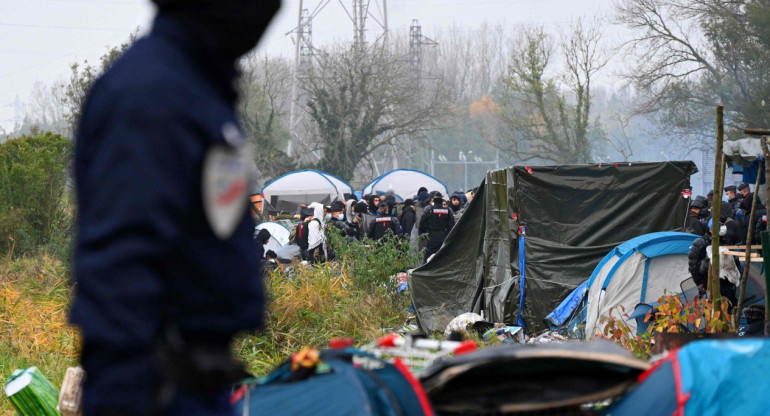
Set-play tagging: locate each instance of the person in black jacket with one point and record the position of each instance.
(337, 220)
(165, 259)
(698, 264)
(436, 221)
(384, 224)
(694, 223)
(407, 217)
(263, 236)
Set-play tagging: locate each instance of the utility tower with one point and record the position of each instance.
(416, 42)
(360, 12)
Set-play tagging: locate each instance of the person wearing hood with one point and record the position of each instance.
(263, 236)
(436, 221)
(457, 204)
(162, 179)
(374, 204)
(316, 240)
(407, 217)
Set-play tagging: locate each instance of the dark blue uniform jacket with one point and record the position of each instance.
(146, 255)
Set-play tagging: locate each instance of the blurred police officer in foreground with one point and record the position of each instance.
(165, 266)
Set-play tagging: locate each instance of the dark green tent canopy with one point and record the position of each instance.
(572, 217)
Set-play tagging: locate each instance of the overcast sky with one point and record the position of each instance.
(40, 38)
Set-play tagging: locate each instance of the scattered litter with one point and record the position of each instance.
(461, 322)
(506, 334)
(548, 337)
(31, 393)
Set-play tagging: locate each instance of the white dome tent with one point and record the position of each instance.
(405, 183)
(285, 194)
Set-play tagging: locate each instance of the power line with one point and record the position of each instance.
(23, 25)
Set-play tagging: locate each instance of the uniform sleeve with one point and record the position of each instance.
(134, 184)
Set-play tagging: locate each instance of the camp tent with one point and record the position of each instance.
(706, 377)
(641, 270)
(279, 234)
(405, 183)
(286, 193)
(543, 230)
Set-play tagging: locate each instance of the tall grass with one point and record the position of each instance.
(33, 319)
(352, 297)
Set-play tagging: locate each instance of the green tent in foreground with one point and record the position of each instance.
(572, 217)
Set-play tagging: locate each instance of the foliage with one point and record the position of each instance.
(33, 193)
(549, 117)
(670, 316)
(354, 297)
(72, 94)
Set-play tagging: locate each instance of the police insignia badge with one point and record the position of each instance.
(225, 183)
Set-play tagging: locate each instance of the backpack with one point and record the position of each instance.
(300, 234)
(337, 386)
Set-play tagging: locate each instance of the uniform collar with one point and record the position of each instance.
(220, 71)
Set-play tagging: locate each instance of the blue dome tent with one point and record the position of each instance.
(641, 270)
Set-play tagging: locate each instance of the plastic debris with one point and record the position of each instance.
(461, 322)
(506, 334)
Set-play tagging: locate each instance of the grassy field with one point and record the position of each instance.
(309, 305)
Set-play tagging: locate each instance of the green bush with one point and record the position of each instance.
(34, 211)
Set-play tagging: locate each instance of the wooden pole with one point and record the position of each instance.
(719, 174)
(766, 247)
(766, 254)
(747, 259)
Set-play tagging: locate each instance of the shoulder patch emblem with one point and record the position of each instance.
(225, 183)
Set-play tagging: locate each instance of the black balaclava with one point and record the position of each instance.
(231, 27)
(263, 236)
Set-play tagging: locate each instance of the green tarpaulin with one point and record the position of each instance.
(573, 215)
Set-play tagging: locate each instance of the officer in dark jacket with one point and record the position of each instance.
(694, 222)
(436, 221)
(407, 217)
(165, 260)
(384, 224)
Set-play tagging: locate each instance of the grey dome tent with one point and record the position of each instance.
(405, 183)
(286, 193)
(531, 235)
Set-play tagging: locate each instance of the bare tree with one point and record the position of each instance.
(690, 55)
(360, 103)
(548, 117)
(265, 97)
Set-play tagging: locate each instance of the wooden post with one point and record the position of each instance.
(719, 174)
(766, 255)
(747, 259)
(766, 152)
